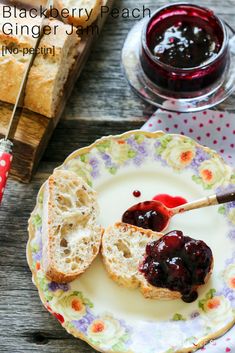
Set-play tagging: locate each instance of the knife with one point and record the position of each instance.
(6, 144)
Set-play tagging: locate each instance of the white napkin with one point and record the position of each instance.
(216, 130)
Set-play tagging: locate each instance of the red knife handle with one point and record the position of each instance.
(5, 166)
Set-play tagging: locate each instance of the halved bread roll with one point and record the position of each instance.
(123, 250)
(71, 236)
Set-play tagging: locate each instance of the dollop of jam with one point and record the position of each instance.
(170, 201)
(136, 193)
(178, 263)
(148, 215)
(185, 44)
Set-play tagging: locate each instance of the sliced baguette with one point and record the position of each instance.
(50, 70)
(49, 73)
(91, 7)
(71, 236)
(123, 249)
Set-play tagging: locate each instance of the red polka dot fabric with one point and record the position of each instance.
(213, 129)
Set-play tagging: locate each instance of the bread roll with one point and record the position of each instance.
(51, 66)
(71, 235)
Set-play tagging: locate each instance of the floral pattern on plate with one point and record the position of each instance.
(213, 313)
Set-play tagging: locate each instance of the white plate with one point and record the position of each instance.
(115, 319)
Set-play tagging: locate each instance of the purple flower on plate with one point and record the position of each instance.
(200, 157)
(158, 158)
(157, 144)
(37, 256)
(138, 160)
(226, 188)
(230, 261)
(229, 293)
(142, 150)
(228, 210)
(231, 296)
(231, 205)
(231, 234)
(107, 159)
(40, 241)
(191, 326)
(37, 247)
(131, 141)
(138, 146)
(139, 150)
(94, 162)
(125, 325)
(95, 173)
(194, 314)
(53, 286)
(83, 324)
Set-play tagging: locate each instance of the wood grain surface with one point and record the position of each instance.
(34, 130)
(101, 104)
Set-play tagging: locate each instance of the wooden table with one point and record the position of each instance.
(101, 104)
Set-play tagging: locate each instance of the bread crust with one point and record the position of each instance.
(82, 21)
(48, 73)
(139, 281)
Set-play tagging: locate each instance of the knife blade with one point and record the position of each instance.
(6, 143)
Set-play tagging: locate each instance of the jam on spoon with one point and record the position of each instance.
(148, 215)
(178, 263)
(156, 216)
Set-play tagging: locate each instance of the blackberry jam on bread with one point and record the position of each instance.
(178, 263)
(163, 267)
